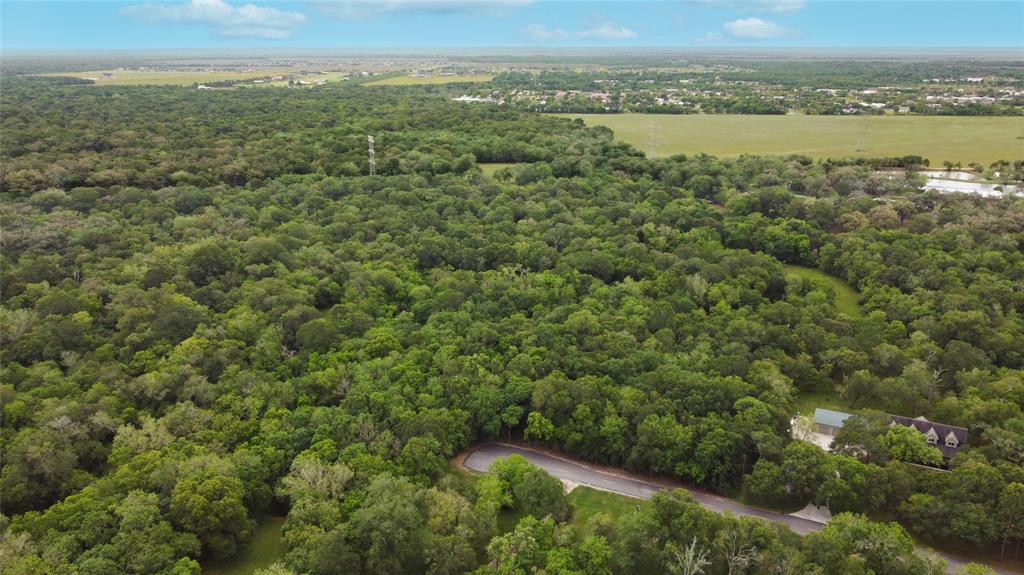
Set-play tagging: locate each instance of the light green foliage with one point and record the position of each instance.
(213, 509)
(910, 445)
(515, 482)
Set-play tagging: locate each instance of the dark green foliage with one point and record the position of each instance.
(208, 313)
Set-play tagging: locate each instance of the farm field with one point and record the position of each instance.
(938, 138)
(421, 81)
(170, 78)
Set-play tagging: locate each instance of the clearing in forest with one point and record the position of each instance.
(846, 296)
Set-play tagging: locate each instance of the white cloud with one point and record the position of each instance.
(246, 20)
(361, 9)
(772, 6)
(605, 31)
(755, 29)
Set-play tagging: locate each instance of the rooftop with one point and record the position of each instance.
(829, 417)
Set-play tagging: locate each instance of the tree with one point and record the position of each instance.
(384, 527)
(310, 478)
(213, 509)
(1011, 515)
(523, 549)
(420, 459)
(883, 547)
(715, 458)
(736, 547)
(766, 482)
(453, 527)
(316, 335)
(538, 428)
(208, 262)
(803, 466)
(144, 542)
(860, 434)
(908, 444)
(540, 495)
(689, 560)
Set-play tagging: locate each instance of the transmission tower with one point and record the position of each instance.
(373, 158)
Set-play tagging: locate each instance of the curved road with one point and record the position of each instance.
(623, 483)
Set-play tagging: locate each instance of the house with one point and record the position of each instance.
(947, 438)
(828, 422)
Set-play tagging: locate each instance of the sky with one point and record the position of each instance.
(326, 24)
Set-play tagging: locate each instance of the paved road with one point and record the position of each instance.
(623, 483)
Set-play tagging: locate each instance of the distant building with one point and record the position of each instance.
(475, 99)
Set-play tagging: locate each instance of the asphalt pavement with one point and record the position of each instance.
(631, 485)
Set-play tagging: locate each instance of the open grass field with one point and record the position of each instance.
(418, 81)
(587, 502)
(846, 296)
(938, 138)
(170, 78)
(266, 547)
(490, 169)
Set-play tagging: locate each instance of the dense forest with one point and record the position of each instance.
(210, 311)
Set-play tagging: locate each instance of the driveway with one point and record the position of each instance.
(631, 485)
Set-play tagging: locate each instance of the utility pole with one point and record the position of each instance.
(373, 158)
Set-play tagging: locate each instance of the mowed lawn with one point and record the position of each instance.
(587, 502)
(418, 81)
(938, 138)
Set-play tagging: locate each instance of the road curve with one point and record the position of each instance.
(623, 483)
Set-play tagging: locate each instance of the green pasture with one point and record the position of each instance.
(938, 138)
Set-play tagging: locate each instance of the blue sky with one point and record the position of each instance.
(155, 24)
